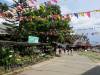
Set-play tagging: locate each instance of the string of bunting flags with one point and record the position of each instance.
(88, 13)
(32, 3)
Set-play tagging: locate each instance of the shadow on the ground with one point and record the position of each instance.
(93, 71)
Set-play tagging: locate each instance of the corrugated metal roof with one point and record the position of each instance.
(3, 27)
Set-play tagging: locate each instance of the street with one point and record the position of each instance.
(65, 65)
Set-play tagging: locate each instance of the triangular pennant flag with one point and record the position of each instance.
(55, 1)
(76, 14)
(81, 14)
(97, 10)
(88, 14)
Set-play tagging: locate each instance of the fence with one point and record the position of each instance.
(18, 54)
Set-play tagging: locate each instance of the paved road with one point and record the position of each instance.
(65, 65)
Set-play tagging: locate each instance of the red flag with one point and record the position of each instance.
(88, 14)
(55, 1)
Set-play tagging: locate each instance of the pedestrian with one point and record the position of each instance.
(59, 47)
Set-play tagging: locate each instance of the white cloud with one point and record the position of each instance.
(85, 21)
(88, 25)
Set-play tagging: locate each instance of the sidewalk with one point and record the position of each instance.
(65, 65)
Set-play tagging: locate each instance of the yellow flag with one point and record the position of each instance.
(81, 14)
(97, 10)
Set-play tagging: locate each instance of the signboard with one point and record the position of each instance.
(32, 39)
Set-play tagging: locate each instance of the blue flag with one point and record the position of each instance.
(76, 14)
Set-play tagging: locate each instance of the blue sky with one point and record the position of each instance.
(79, 5)
(73, 6)
(82, 5)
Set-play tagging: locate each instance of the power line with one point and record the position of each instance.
(86, 28)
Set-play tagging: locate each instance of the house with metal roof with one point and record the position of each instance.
(6, 24)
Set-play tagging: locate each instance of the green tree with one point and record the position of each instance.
(45, 22)
(3, 7)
